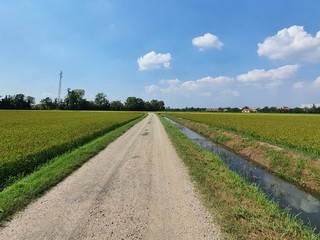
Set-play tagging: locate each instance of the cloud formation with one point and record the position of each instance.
(202, 85)
(151, 89)
(206, 81)
(272, 75)
(292, 43)
(153, 60)
(316, 83)
(298, 85)
(231, 92)
(207, 41)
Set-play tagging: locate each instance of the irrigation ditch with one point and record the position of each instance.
(289, 198)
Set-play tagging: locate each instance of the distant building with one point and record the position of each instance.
(285, 108)
(249, 110)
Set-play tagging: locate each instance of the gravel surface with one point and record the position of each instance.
(137, 188)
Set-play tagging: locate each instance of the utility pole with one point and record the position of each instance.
(59, 91)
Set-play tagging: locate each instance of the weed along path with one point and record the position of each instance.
(137, 188)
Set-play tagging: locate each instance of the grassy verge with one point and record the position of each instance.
(289, 164)
(16, 196)
(240, 209)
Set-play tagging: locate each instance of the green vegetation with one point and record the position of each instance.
(241, 209)
(22, 192)
(75, 101)
(292, 130)
(31, 138)
(294, 166)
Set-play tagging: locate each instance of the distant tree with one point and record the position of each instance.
(296, 110)
(47, 103)
(30, 101)
(101, 102)
(235, 109)
(157, 105)
(19, 101)
(147, 106)
(273, 110)
(116, 105)
(74, 98)
(134, 104)
(265, 109)
(313, 109)
(86, 105)
(7, 102)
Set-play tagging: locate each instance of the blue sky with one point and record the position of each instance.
(204, 53)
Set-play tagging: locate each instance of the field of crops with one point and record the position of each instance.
(293, 130)
(30, 138)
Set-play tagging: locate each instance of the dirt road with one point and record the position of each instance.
(137, 188)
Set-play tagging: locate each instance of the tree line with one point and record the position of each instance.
(75, 100)
(313, 109)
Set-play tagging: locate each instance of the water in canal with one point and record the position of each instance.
(285, 194)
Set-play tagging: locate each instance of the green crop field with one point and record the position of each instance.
(31, 138)
(293, 130)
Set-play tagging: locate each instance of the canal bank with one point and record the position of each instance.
(241, 209)
(288, 196)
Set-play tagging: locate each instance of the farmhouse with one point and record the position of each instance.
(285, 108)
(249, 110)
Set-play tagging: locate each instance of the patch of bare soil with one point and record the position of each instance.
(137, 188)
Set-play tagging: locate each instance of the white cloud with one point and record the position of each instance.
(307, 86)
(278, 74)
(206, 81)
(298, 85)
(190, 85)
(207, 41)
(171, 89)
(151, 89)
(172, 85)
(211, 80)
(233, 93)
(201, 85)
(170, 81)
(316, 83)
(153, 60)
(292, 43)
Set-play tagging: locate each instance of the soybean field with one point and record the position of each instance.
(31, 138)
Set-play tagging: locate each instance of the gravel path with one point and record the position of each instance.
(137, 188)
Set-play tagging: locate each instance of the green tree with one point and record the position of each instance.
(134, 104)
(116, 105)
(19, 101)
(157, 105)
(101, 102)
(30, 102)
(47, 103)
(74, 98)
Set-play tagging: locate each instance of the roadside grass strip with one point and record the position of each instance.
(18, 195)
(240, 209)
